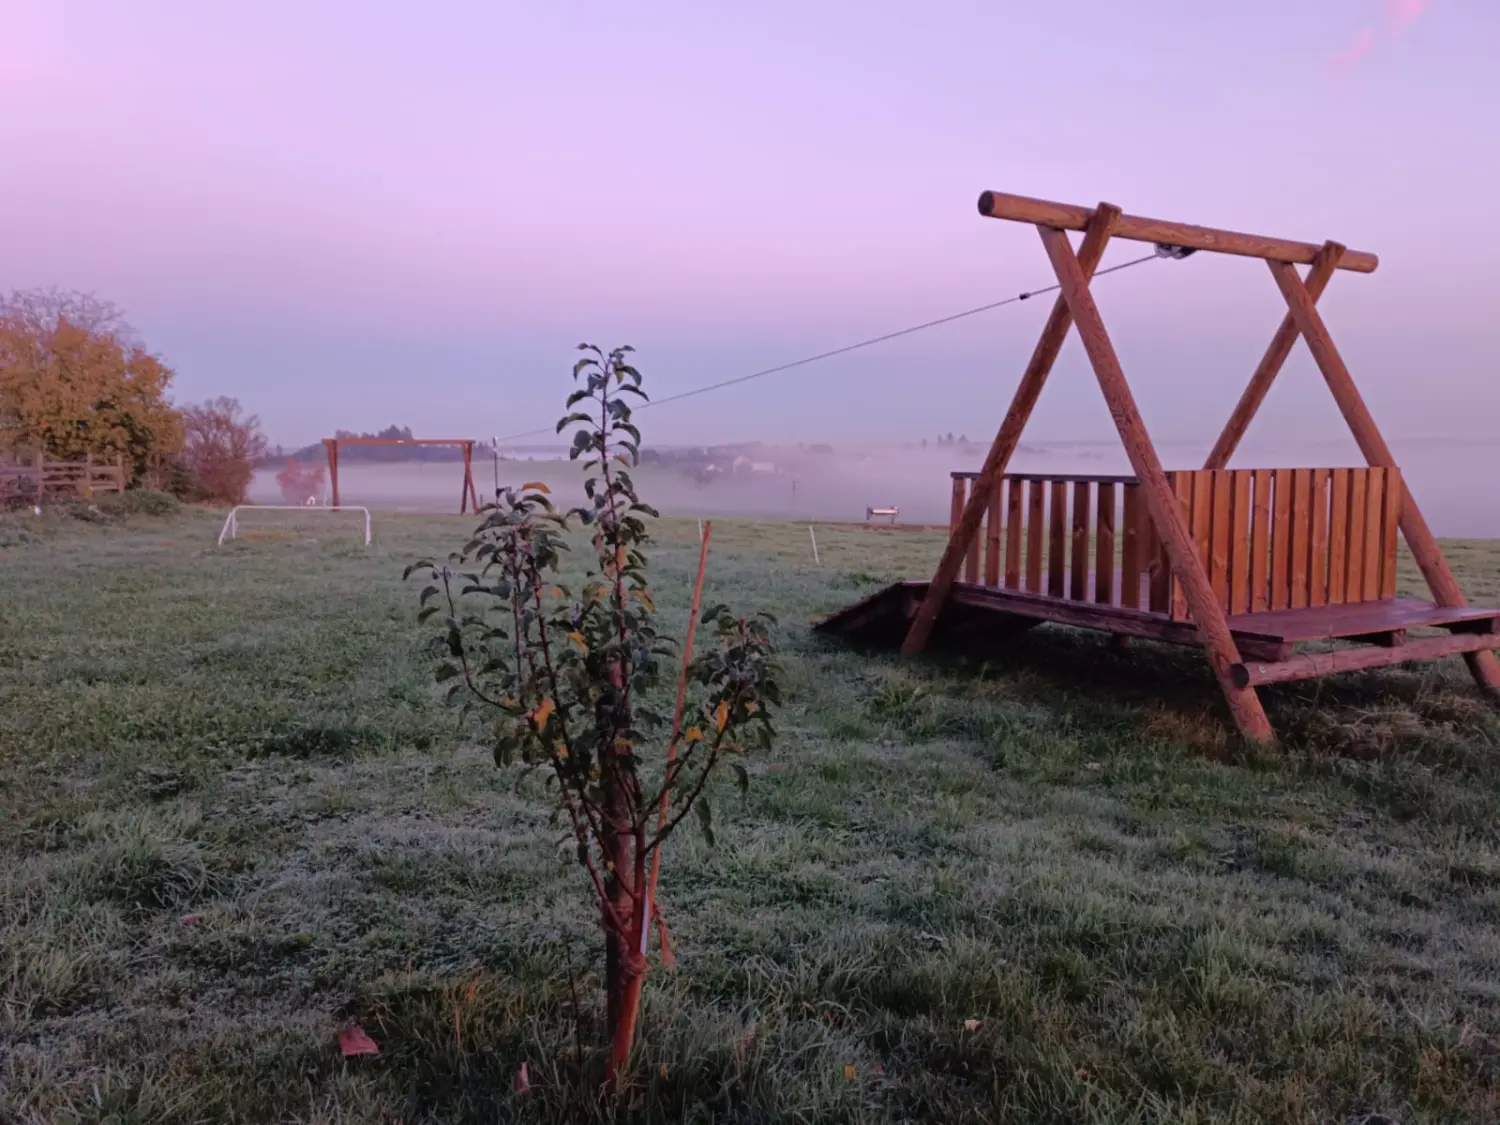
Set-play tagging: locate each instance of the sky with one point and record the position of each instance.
(348, 215)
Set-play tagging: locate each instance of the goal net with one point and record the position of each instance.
(293, 521)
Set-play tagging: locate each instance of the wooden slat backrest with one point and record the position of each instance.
(1291, 538)
(1268, 538)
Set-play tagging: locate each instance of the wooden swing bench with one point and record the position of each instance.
(1249, 563)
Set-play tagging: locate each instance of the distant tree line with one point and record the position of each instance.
(376, 453)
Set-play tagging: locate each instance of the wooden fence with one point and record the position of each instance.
(1270, 539)
(38, 480)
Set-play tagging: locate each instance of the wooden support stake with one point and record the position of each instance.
(1424, 547)
(1030, 387)
(1272, 362)
(1166, 514)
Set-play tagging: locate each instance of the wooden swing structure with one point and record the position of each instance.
(1246, 562)
(469, 494)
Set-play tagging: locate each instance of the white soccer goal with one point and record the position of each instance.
(232, 523)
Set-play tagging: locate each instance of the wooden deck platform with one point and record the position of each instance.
(1266, 640)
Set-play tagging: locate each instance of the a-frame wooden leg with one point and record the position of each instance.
(1095, 239)
(1419, 537)
(1272, 362)
(1166, 513)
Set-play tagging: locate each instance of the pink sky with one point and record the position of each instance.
(355, 214)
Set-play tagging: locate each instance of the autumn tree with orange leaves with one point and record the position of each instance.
(75, 381)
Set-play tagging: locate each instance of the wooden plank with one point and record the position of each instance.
(1078, 565)
(1354, 568)
(1391, 515)
(1338, 535)
(993, 522)
(1187, 569)
(1419, 538)
(1317, 562)
(1240, 540)
(1260, 541)
(1272, 362)
(1057, 544)
(1311, 665)
(1109, 619)
(1015, 520)
(1183, 487)
(971, 555)
(1158, 564)
(1221, 505)
(1044, 213)
(1132, 550)
(1374, 522)
(956, 507)
(1028, 390)
(1104, 547)
(1036, 526)
(1201, 519)
(1301, 517)
(1281, 538)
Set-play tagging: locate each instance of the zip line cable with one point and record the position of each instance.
(1162, 251)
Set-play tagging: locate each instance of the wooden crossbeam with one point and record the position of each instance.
(1166, 513)
(1419, 537)
(1272, 362)
(1022, 403)
(1067, 216)
(1310, 665)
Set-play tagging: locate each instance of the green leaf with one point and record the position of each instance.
(742, 775)
(446, 671)
(705, 819)
(428, 594)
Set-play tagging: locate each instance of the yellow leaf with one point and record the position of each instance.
(849, 1072)
(662, 1070)
(693, 734)
(577, 639)
(542, 713)
(722, 715)
(751, 708)
(536, 486)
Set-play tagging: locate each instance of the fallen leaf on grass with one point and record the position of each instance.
(191, 919)
(353, 1041)
(972, 1025)
(522, 1084)
(849, 1072)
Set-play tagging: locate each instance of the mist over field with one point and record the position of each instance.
(1453, 482)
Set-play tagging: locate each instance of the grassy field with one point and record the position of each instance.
(1024, 886)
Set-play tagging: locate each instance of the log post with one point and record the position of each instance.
(1424, 546)
(1166, 513)
(332, 446)
(995, 462)
(1272, 362)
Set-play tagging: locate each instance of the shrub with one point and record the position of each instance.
(139, 502)
(561, 681)
(222, 447)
